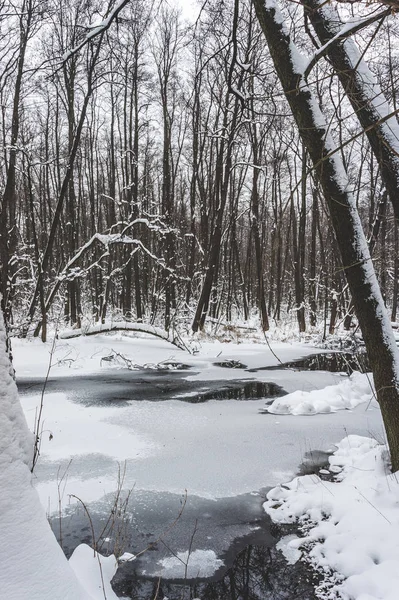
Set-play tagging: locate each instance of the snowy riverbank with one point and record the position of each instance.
(349, 517)
(217, 450)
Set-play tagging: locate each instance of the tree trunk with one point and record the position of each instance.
(395, 275)
(363, 92)
(8, 222)
(369, 305)
(312, 261)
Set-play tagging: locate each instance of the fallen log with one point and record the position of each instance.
(171, 337)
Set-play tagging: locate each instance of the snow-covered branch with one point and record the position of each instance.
(96, 30)
(347, 30)
(170, 337)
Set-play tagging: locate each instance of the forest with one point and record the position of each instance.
(199, 210)
(153, 172)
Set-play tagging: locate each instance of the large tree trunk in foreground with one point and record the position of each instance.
(329, 170)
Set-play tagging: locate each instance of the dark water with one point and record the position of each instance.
(159, 525)
(238, 390)
(334, 362)
(258, 573)
(254, 569)
(230, 364)
(169, 382)
(165, 523)
(313, 461)
(121, 386)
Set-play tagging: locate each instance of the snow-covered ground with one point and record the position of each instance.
(33, 566)
(349, 393)
(350, 521)
(214, 450)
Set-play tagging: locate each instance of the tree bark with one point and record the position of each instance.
(370, 309)
(8, 222)
(65, 184)
(363, 92)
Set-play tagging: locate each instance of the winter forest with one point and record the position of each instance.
(156, 173)
(206, 191)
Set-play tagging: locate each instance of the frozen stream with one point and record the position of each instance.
(215, 457)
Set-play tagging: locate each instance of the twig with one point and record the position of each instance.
(373, 505)
(60, 496)
(271, 350)
(38, 422)
(157, 590)
(96, 554)
(168, 529)
(190, 547)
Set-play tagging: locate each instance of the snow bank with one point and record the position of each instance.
(350, 524)
(345, 395)
(33, 566)
(289, 549)
(16, 442)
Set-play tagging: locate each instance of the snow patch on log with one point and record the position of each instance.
(171, 337)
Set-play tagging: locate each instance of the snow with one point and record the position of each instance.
(287, 545)
(108, 439)
(33, 566)
(83, 356)
(350, 524)
(94, 572)
(299, 60)
(16, 443)
(127, 557)
(272, 5)
(170, 446)
(123, 325)
(200, 563)
(345, 395)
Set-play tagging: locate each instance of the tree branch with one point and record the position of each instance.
(348, 30)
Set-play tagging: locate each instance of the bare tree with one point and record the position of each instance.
(26, 13)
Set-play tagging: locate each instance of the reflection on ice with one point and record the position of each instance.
(258, 573)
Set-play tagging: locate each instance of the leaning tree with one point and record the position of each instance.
(331, 174)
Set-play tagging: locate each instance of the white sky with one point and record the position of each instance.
(190, 8)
